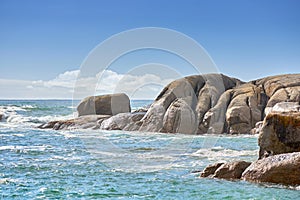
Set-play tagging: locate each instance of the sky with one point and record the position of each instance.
(44, 43)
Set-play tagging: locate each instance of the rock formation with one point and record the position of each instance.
(111, 104)
(283, 169)
(211, 103)
(280, 131)
(279, 134)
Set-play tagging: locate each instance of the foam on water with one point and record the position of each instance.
(95, 164)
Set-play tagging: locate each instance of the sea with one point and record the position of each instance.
(99, 164)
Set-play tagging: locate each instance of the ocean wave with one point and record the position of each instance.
(221, 154)
(18, 115)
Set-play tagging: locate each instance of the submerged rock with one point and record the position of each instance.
(110, 104)
(280, 132)
(82, 122)
(282, 169)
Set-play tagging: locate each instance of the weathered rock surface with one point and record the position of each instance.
(111, 104)
(244, 110)
(210, 170)
(231, 170)
(83, 122)
(280, 132)
(203, 93)
(211, 103)
(123, 121)
(180, 117)
(281, 169)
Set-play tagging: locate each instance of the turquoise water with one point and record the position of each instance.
(94, 164)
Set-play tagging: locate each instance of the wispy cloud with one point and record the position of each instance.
(145, 86)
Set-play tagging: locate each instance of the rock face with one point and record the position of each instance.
(180, 117)
(283, 169)
(179, 101)
(220, 103)
(232, 170)
(280, 132)
(211, 103)
(111, 104)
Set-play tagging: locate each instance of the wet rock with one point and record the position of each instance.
(281, 169)
(110, 104)
(280, 132)
(231, 170)
(82, 122)
(210, 170)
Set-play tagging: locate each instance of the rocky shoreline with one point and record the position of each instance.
(279, 155)
(218, 104)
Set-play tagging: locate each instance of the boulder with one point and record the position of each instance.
(203, 91)
(110, 104)
(180, 117)
(281, 169)
(280, 132)
(210, 170)
(231, 170)
(280, 88)
(244, 110)
(123, 121)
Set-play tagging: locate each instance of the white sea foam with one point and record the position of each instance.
(8, 180)
(25, 148)
(219, 154)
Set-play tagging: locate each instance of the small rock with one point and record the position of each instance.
(232, 170)
(210, 170)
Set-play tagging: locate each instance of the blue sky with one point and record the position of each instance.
(248, 39)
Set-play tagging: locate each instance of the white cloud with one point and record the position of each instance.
(146, 86)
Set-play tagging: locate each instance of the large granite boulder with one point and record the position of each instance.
(244, 110)
(280, 132)
(180, 117)
(203, 92)
(110, 104)
(280, 88)
(281, 169)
